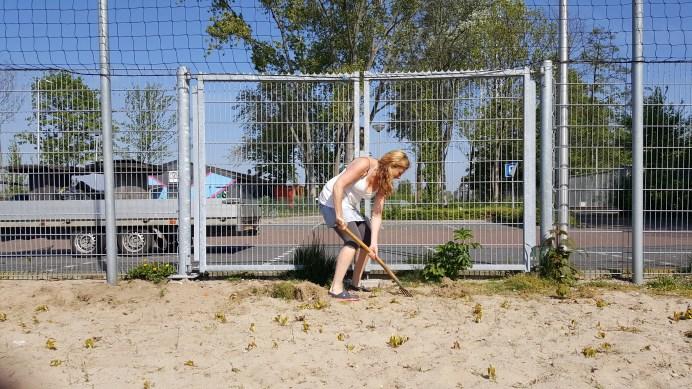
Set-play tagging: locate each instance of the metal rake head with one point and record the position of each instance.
(405, 292)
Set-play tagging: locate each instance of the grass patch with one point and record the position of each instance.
(671, 285)
(317, 266)
(525, 283)
(285, 290)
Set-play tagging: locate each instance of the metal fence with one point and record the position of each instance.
(271, 142)
(616, 133)
(471, 140)
(52, 208)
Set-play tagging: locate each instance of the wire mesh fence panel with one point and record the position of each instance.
(52, 183)
(50, 117)
(668, 168)
(600, 161)
(464, 136)
(270, 145)
(145, 170)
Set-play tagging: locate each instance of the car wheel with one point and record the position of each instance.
(135, 242)
(87, 243)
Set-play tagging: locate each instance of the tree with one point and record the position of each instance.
(147, 136)
(10, 101)
(598, 55)
(667, 155)
(596, 136)
(596, 91)
(332, 36)
(316, 37)
(13, 183)
(503, 34)
(69, 117)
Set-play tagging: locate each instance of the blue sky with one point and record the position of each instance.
(150, 38)
(156, 35)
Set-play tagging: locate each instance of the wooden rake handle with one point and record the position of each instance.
(378, 259)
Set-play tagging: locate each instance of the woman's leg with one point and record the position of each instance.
(343, 261)
(361, 262)
(364, 233)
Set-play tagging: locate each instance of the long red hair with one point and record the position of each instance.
(384, 175)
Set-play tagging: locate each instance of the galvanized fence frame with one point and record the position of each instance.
(362, 141)
(53, 209)
(257, 261)
(488, 259)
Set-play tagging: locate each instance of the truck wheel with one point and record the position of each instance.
(135, 242)
(87, 243)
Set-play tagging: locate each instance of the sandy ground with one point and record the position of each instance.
(174, 336)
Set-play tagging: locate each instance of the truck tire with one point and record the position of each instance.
(85, 242)
(135, 241)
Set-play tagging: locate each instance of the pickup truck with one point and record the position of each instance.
(69, 203)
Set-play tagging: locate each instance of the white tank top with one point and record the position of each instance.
(352, 196)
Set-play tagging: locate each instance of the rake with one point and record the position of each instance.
(379, 260)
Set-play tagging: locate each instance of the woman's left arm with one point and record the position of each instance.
(376, 221)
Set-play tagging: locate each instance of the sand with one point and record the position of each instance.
(174, 336)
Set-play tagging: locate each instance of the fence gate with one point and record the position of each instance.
(471, 140)
(263, 146)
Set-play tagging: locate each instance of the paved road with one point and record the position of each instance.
(402, 244)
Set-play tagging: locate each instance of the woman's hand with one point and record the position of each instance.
(340, 223)
(373, 250)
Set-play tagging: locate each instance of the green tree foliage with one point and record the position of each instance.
(280, 126)
(496, 34)
(13, 183)
(667, 154)
(596, 91)
(147, 136)
(316, 37)
(601, 142)
(10, 101)
(69, 117)
(404, 191)
(332, 36)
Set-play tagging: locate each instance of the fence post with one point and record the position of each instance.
(356, 119)
(200, 180)
(184, 187)
(637, 143)
(529, 168)
(563, 145)
(366, 133)
(107, 133)
(547, 151)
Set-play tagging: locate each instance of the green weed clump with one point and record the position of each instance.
(154, 272)
(555, 253)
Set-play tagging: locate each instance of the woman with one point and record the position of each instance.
(364, 178)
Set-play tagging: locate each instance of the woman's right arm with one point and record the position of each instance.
(354, 171)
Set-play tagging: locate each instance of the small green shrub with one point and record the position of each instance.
(155, 272)
(555, 255)
(317, 265)
(451, 258)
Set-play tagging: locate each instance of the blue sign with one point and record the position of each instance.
(510, 169)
